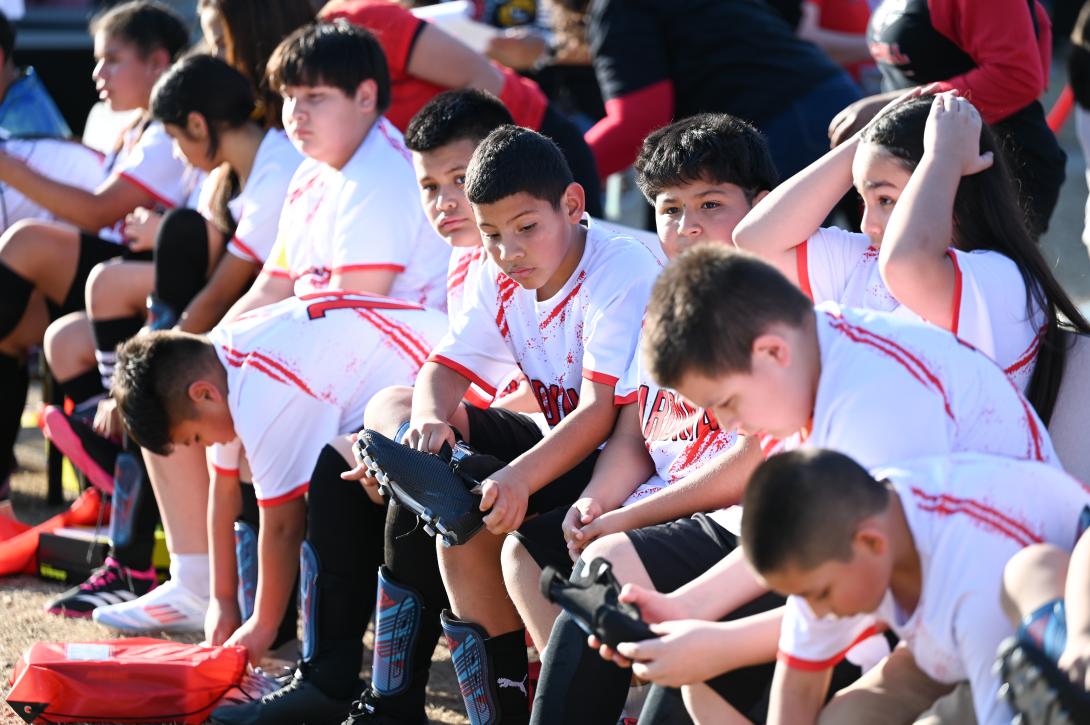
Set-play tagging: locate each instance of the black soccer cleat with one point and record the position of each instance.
(439, 489)
(591, 597)
(298, 701)
(1037, 690)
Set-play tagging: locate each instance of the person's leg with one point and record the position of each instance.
(14, 381)
(115, 296)
(521, 575)
(571, 142)
(706, 707)
(69, 349)
(183, 258)
(1034, 577)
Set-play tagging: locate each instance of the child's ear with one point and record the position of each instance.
(367, 95)
(203, 390)
(757, 197)
(772, 347)
(196, 126)
(871, 539)
(158, 61)
(574, 202)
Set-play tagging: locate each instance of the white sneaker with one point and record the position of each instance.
(168, 608)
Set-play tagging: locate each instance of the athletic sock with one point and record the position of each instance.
(108, 335)
(84, 390)
(181, 258)
(511, 670)
(15, 291)
(14, 379)
(191, 572)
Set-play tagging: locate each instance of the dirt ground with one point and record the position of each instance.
(23, 621)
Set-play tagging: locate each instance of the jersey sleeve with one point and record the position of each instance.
(283, 441)
(979, 627)
(613, 326)
(373, 224)
(151, 165)
(258, 216)
(825, 262)
(627, 389)
(224, 457)
(815, 644)
(474, 346)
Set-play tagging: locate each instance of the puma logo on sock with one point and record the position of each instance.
(520, 684)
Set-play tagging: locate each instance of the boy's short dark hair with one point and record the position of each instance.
(460, 115)
(715, 147)
(804, 507)
(513, 159)
(708, 306)
(336, 54)
(147, 24)
(151, 382)
(7, 38)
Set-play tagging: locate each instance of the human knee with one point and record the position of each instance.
(1032, 577)
(617, 549)
(100, 290)
(388, 409)
(514, 558)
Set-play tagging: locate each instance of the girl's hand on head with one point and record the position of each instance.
(953, 133)
(918, 91)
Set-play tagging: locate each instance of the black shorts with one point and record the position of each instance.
(507, 435)
(93, 250)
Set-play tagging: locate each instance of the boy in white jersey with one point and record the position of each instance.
(562, 302)
(289, 381)
(351, 219)
(917, 547)
(867, 384)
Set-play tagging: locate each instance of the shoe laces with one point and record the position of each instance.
(295, 684)
(364, 707)
(101, 577)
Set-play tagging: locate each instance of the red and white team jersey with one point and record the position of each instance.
(989, 304)
(364, 216)
(464, 266)
(893, 389)
(146, 159)
(680, 437)
(300, 372)
(68, 161)
(587, 330)
(256, 209)
(968, 514)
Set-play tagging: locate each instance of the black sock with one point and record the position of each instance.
(15, 293)
(14, 379)
(181, 258)
(108, 335)
(511, 669)
(83, 390)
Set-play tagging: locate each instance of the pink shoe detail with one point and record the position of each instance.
(57, 429)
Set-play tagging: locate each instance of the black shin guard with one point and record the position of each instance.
(108, 335)
(247, 527)
(14, 379)
(15, 291)
(136, 553)
(181, 258)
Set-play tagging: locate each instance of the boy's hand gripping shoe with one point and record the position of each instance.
(591, 597)
(439, 489)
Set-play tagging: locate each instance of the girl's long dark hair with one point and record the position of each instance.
(988, 215)
(223, 96)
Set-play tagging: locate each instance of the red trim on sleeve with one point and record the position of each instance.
(802, 267)
(597, 377)
(615, 140)
(146, 189)
(477, 400)
(291, 495)
(463, 370)
(368, 268)
(1029, 355)
(818, 665)
(273, 272)
(245, 249)
(955, 315)
(225, 471)
(629, 399)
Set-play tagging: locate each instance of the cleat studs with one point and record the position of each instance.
(429, 530)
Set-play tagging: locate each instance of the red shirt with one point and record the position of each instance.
(397, 30)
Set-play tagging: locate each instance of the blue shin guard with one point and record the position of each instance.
(308, 600)
(128, 488)
(471, 663)
(246, 563)
(397, 625)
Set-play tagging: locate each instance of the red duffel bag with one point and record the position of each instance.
(138, 680)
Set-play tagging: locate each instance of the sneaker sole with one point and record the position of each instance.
(56, 428)
(1027, 687)
(67, 614)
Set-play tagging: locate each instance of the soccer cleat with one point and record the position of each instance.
(437, 488)
(92, 454)
(169, 608)
(299, 701)
(111, 583)
(1036, 688)
(367, 710)
(591, 597)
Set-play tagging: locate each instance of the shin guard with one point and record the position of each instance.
(246, 563)
(308, 599)
(397, 625)
(471, 663)
(128, 488)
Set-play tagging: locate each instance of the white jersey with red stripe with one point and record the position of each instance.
(968, 514)
(363, 216)
(588, 329)
(68, 161)
(680, 437)
(257, 207)
(146, 160)
(989, 304)
(893, 389)
(301, 371)
(465, 266)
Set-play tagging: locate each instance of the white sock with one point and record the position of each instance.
(191, 571)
